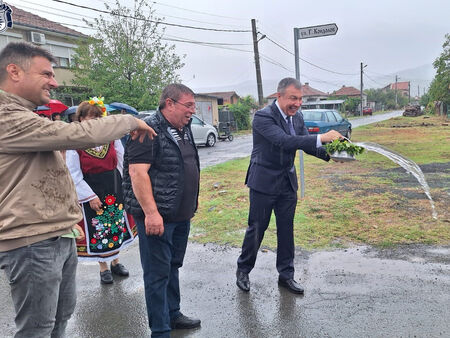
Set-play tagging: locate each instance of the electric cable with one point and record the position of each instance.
(306, 61)
(154, 21)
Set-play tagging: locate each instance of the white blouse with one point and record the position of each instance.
(84, 191)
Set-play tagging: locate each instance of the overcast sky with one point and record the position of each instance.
(386, 35)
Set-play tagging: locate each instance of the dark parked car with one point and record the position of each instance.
(319, 121)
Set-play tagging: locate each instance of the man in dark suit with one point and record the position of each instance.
(278, 132)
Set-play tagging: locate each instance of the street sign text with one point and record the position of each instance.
(317, 31)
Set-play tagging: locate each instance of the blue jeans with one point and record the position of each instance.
(42, 280)
(161, 257)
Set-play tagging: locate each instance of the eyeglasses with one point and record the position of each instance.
(190, 105)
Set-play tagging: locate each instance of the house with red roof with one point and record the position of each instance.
(61, 41)
(309, 94)
(345, 92)
(403, 88)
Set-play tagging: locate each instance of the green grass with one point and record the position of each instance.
(356, 202)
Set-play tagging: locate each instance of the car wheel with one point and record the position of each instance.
(210, 140)
(349, 134)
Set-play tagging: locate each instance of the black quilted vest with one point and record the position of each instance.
(166, 173)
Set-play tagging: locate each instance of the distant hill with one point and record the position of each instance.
(243, 88)
(419, 76)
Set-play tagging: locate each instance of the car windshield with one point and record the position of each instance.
(312, 116)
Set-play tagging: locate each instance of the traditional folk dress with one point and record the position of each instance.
(97, 172)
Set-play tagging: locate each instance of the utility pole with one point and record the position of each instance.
(362, 87)
(361, 112)
(297, 76)
(409, 91)
(257, 65)
(296, 55)
(396, 79)
(418, 91)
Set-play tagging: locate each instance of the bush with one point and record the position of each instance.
(241, 112)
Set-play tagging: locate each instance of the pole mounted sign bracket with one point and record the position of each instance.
(307, 33)
(317, 31)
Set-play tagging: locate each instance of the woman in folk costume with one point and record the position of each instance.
(97, 174)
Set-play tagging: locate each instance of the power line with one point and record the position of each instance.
(208, 44)
(52, 13)
(173, 38)
(365, 73)
(90, 17)
(154, 21)
(198, 21)
(199, 12)
(306, 61)
(272, 61)
(269, 60)
(205, 42)
(183, 18)
(57, 14)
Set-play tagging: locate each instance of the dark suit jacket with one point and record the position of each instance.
(274, 150)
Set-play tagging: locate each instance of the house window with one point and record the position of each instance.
(64, 62)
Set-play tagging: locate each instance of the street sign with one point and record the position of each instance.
(317, 31)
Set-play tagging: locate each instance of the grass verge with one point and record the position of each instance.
(370, 201)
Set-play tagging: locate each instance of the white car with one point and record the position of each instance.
(204, 133)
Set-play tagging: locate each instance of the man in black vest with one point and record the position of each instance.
(161, 184)
(278, 132)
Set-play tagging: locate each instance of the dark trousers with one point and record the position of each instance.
(261, 206)
(161, 257)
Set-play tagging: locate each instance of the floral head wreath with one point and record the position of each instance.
(98, 101)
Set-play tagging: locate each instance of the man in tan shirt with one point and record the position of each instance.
(38, 202)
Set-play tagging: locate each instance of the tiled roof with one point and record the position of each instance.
(24, 18)
(347, 91)
(400, 86)
(223, 95)
(306, 90)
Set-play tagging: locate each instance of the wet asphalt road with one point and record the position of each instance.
(357, 292)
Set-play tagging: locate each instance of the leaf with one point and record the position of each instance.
(129, 62)
(339, 146)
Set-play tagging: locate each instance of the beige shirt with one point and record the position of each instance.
(37, 196)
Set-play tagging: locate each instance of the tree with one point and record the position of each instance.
(127, 61)
(386, 98)
(424, 99)
(440, 86)
(241, 111)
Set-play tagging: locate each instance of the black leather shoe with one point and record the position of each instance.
(106, 277)
(242, 281)
(119, 270)
(291, 285)
(184, 322)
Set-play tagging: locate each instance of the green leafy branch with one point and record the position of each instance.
(338, 146)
